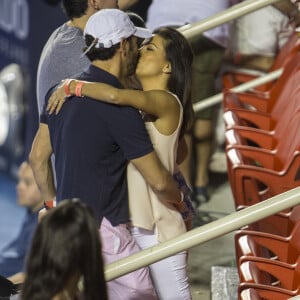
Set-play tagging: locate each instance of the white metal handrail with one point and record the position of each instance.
(192, 30)
(239, 88)
(203, 234)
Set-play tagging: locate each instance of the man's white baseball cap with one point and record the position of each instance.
(110, 26)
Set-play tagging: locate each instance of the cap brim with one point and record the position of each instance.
(143, 33)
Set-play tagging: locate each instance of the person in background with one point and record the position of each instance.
(165, 73)
(12, 256)
(209, 49)
(64, 46)
(257, 37)
(64, 262)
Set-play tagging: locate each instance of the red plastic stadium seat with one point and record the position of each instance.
(270, 273)
(256, 174)
(280, 224)
(236, 77)
(261, 244)
(258, 292)
(265, 112)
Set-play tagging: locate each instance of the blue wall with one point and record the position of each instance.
(25, 25)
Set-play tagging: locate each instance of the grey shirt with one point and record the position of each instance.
(60, 59)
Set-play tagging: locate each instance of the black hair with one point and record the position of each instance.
(136, 19)
(74, 8)
(96, 53)
(65, 244)
(52, 2)
(180, 54)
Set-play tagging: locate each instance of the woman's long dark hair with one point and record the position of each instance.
(179, 53)
(66, 243)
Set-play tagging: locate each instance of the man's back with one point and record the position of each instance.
(92, 142)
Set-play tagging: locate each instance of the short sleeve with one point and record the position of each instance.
(128, 129)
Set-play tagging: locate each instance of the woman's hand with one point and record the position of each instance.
(57, 99)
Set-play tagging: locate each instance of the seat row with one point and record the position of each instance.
(262, 138)
(263, 158)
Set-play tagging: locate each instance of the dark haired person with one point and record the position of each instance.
(65, 261)
(61, 55)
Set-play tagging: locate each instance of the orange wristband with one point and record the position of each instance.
(78, 89)
(67, 87)
(48, 204)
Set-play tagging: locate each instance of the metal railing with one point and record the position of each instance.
(239, 88)
(235, 220)
(192, 30)
(204, 233)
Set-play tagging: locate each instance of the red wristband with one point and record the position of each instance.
(67, 87)
(48, 204)
(78, 89)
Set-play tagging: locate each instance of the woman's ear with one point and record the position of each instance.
(167, 69)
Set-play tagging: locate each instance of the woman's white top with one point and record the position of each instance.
(146, 210)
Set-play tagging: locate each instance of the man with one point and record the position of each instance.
(12, 257)
(60, 57)
(92, 142)
(257, 37)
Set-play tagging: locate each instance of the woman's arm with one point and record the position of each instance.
(154, 102)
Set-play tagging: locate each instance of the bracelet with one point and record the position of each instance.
(67, 87)
(48, 204)
(78, 89)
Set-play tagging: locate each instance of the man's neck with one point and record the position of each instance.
(111, 66)
(78, 22)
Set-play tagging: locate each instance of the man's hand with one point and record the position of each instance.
(159, 179)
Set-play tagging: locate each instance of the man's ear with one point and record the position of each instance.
(167, 69)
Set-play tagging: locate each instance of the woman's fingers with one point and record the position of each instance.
(52, 103)
(56, 101)
(59, 105)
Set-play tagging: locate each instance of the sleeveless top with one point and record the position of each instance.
(146, 210)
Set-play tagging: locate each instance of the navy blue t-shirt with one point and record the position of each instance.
(13, 256)
(92, 142)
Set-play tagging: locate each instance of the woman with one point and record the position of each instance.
(164, 71)
(65, 260)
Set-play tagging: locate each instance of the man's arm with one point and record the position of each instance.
(40, 161)
(160, 180)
